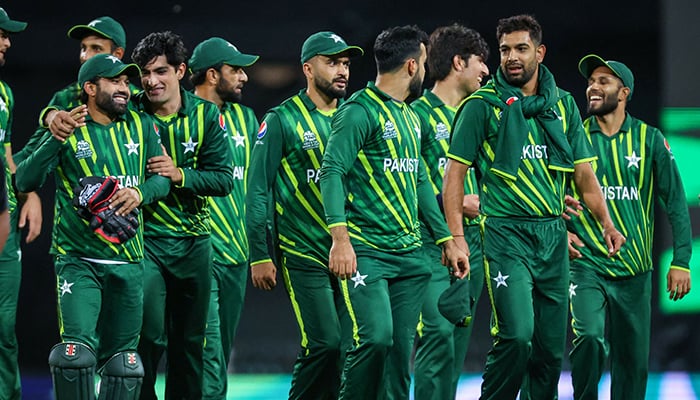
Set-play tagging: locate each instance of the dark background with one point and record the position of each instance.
(43, 60)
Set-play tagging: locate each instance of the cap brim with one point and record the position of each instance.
(353, 51)
(78, 32)
(590, 62)
(129, 70)
(13, 26)
(243, 60)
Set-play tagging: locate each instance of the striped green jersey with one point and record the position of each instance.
(7, 104)
(195, 139)
(538, 190)
(373, 178)
(284, 171)
(65, 99)
(436, 129)
(120, 149)
(229, 240)
(635, 167)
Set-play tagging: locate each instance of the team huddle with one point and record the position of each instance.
(386, 219)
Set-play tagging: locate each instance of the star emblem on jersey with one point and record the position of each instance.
(189, 145)
(114, 59)
(65, 287)
(133, 148)
(240, 141)
(3, 106)
(501, 280)
(572, 290)
(359, 279)
(633, 160)
(336, 38)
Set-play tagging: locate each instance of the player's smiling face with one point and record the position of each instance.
(112, 95)
(4, 45)
(605, 91)
(161, 81)
(474, 73)
(520, 57)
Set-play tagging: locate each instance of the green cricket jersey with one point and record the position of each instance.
(538, 190)
(285, 164)
(436, 127)
(120, 149)
(229, 240)
(65, 99)
(635, 167)
(195, 139)
(7, 104)
(373, 179)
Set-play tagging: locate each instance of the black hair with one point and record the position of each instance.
(396, 45)
(156, 44)
(198, 77)
(522, 22)
(449, 41)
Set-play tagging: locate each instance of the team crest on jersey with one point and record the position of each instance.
(667, 145)
(82, 150)
(441, 131)
(3, 105)
(389, 131)
(310, 141)
(155, 129)
(222, 122)
(511, 100)
(263, 130)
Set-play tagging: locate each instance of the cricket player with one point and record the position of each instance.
(285, 171)
(636, 168)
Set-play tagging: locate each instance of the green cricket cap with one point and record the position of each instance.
(215, 51)
(6, 24)
(103, 26)
(105, 66)
(590, 62)
(327, 44)
(455, 303)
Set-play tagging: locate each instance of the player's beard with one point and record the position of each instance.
(326, 87)
(415, 86)
(227, 92)
(520, 81)
(106, 103)
(608, 105)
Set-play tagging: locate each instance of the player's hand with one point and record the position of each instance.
(575, 243)
(31, 216)
(470, 206)
(164, 166)
(342, 261)
(455, 258)
(677, 283)
(125, 200)
(613, 239)
(573, 207)
(62, 123)
(264, 275)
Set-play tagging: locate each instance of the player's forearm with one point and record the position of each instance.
(453, 195)
(430, 214)
(32, 172)
(217, 182)
(154, 188)
(258, 212)
(589, 189)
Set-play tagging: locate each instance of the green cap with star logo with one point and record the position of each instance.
(215, 51)
(8, 25)
(327, 44)
(590, 62)
(106, 27)
(105, 66)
